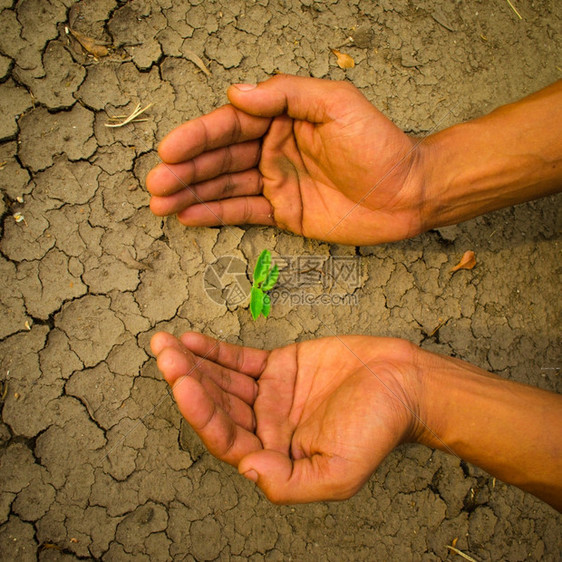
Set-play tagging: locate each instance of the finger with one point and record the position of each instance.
(230, 382)
(160, 340)
(247, 360)
(176, 363)
(239, 210)
(238, 184)
(166, 179)
(225, 439)
(306, 99)
(222, 127)
(174, 368)
(311, 479)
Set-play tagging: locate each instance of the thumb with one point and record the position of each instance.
(307, 99)
(309, 479)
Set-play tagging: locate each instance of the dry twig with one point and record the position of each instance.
(514, 9)
(436, 329)
(133, 117)
(461, 553)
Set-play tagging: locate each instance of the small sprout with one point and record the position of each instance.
(17, 395)
(468, 261)
(27, 325)
(344, 61)
(19, 198)
(265, 278)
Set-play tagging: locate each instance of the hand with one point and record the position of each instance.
(307, 155)
(307, 422)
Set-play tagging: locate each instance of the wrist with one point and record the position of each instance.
(432, 382)
(414, 391)
(510, 156)
(468, 175)
(501, 426)
(445, 177)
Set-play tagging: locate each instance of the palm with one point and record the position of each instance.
(314, 408)
(319, 402)
(350, 186)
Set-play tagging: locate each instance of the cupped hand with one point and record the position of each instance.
(307, 155)
(306, 422)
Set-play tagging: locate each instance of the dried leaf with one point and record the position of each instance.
(197, 60)
(91, 45)
(46, 545)
(344, 61)
(468, 261)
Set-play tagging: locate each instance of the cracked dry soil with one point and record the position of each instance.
(95, 461)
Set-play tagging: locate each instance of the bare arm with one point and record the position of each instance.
(510, 156)
(511, 430)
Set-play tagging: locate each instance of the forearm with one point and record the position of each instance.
(511, 430)
(510, 156)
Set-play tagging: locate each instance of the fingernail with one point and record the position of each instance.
(245, 87)
(251, 475)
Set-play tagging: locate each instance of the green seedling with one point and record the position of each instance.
(265, 278)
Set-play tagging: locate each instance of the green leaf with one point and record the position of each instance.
(256, 302)
(262, 267)
(266, 305)
(271, 279)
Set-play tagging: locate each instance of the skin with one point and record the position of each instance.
(312, 421)
(300, 161)
(316, 158)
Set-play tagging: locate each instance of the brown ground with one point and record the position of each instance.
(95, 461)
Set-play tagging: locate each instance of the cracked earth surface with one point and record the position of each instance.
(95, 461)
